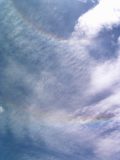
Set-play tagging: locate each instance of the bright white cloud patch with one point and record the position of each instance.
(105, 75)
(105, 14)
(1, 109)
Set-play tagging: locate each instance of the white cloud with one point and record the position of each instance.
(105, 75)
(105, 14)
(109, 146)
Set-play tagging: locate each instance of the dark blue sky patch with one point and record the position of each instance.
(106, 44)
(12, 148)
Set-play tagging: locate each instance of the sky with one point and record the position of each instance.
(59, 80)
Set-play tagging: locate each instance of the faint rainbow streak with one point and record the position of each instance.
(35, 26)
(59, 118)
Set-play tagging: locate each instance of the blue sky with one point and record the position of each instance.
(59, 80)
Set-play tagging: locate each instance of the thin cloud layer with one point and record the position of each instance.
(57, 101)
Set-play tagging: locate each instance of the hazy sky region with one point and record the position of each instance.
(59, 79)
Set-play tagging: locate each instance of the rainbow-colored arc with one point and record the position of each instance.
(38, 28)
(57, 118)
